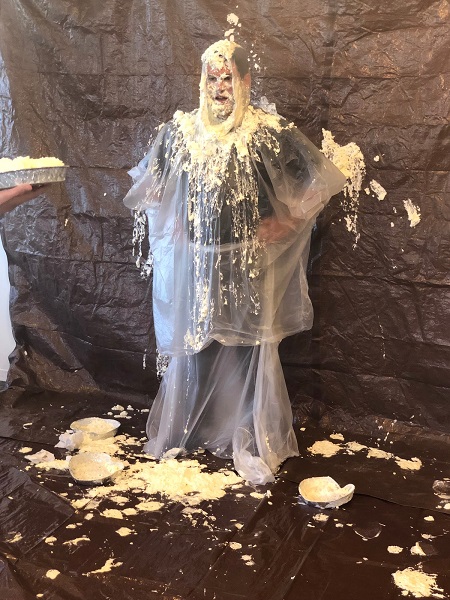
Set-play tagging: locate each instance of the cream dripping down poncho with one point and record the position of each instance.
(205, 189)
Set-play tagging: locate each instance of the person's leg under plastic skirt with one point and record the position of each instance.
(230, 400)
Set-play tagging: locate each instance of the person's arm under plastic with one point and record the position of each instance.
(272, 230)
(17, 195)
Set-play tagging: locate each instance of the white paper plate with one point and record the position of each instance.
(325, 492)
(94, 468)
(34, 176)
(96, 428)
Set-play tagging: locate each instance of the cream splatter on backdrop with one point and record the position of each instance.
(350, 161)
(413, 212)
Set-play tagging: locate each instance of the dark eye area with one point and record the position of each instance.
(211, 78)
(227, 78)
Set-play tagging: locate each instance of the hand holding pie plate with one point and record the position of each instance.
(22, 179)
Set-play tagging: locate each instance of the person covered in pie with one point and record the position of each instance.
(228, 195)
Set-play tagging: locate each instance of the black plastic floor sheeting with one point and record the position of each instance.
(40, 416)
(393, 476)
(252, 547)
(28, 512)
(345, 557)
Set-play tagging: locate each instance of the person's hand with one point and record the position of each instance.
(272, 230)
(19, 194)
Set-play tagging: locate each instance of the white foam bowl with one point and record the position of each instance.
(325, 492)
(96, 428)
(94, 468)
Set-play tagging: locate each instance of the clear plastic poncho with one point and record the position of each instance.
(230, 208)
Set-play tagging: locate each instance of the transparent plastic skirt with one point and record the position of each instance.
(231, 400)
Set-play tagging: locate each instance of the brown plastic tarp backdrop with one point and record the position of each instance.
(88, 82)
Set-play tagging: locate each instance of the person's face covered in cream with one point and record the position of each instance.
(219, 89)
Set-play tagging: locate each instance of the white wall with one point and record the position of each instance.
(7, 342)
